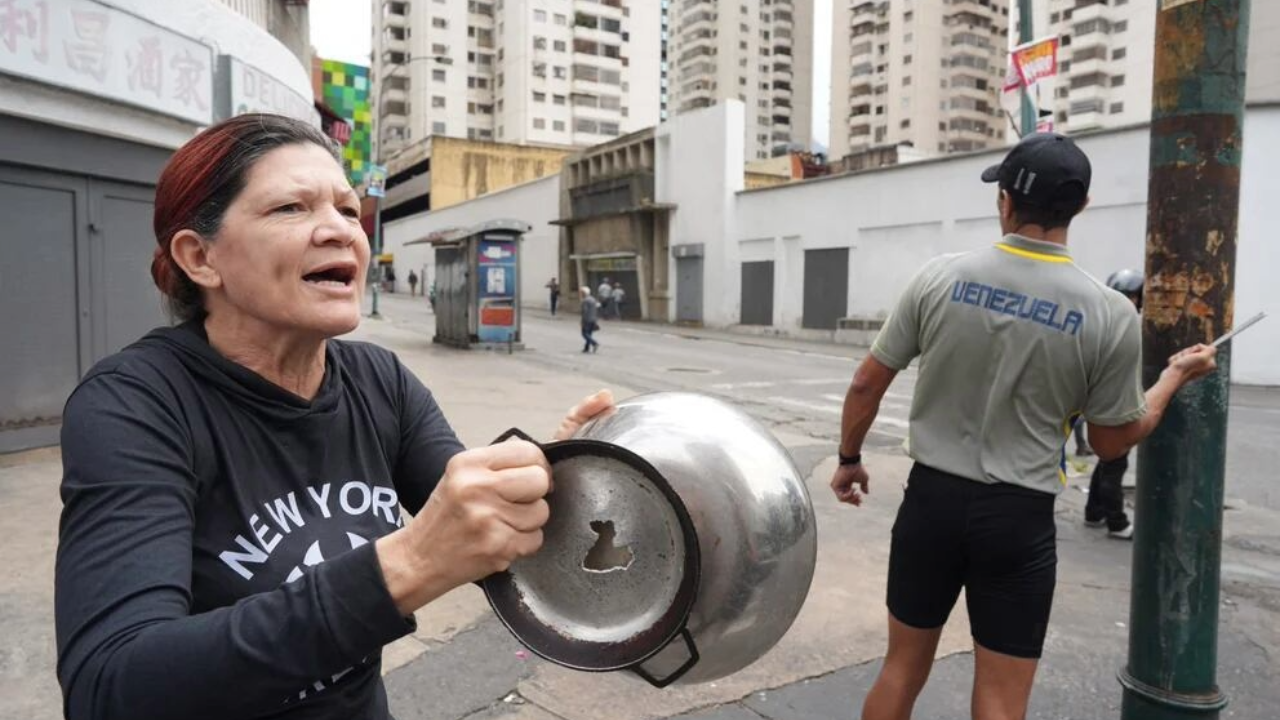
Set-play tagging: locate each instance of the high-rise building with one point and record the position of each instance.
(758, 51)
(551, 72)
(924, 73)
(1106, 59)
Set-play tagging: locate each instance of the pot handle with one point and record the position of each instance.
(678, 672)
(515, 433)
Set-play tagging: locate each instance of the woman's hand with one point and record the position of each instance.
(580, 414)
(487, 511)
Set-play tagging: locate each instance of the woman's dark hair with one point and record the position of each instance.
(201, 181)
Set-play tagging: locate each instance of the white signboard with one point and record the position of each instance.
(253, 91)
(85, 46)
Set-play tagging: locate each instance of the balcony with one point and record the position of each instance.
(858, 116)
(783, 69)
(860, 28)
(784, 112)
(1094, 11)
(859, 88)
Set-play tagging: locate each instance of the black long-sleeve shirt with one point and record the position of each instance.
(215, 557)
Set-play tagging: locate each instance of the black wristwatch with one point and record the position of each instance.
(855, 459)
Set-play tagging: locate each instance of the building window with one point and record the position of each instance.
(439, 22)
(557, 125)
(540, 69)
(1117, 108)
(561, 19)
(437, 101)
(539, 43)
(908, 37)
(560, 46)
(1119, 53)
(539, 97)
(1120, 26)
(906, 60)
(742, 45)
(438, 128)
(584, 125)
(539, 15)
(742, 81)
(558, 99)
(437, 75)
(906, 81)
(539, 124)
(1054, 17)
(908, 16)
(560, 72)
(1117, 81)
(905, 124)
(438, 49)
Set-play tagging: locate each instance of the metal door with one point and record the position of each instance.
(44, 299)
(826, 287)
(126, 303)
(689, 289)
(757, 293)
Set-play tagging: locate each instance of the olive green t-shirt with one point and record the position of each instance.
(1014, 342)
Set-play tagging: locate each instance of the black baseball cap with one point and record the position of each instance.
(1045, 170)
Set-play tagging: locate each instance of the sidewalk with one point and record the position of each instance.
(461, 663)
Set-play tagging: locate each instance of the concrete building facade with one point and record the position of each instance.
(548, 72)
(758, 52)
(1107, 55)
(926, 73)
(442, 171)
(94, 98)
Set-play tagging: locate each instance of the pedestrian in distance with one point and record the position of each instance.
(232, 543)
(1014, 340)
(604, 294)
(1105, 506)
(618, 296)
(553, 288)
(413, 284)
(590, 319)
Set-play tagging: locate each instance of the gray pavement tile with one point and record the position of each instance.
(478, 668)
(730, 711)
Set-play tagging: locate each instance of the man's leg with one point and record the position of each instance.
(1001, 684)
(926, 569)
(1012, 543)
(906, 668)
(586, 337)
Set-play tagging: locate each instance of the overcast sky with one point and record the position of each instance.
(341, 30)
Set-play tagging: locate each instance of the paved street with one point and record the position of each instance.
(461, 663)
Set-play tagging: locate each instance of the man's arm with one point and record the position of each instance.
(1111, 442)
(862, 403)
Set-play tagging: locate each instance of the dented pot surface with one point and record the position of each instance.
(754, 521)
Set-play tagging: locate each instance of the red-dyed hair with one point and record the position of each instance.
(201, 181)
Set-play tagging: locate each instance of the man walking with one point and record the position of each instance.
(553, 288)
(590, 315)
(618, 297)
(605, 294)
(413, 284)
(1014, 341)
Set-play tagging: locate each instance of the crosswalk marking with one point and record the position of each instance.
(881, 420)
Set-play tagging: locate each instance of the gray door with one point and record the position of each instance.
(689, 289)
(126, 303)
(45, 347)
(757, 293)
(826, 287)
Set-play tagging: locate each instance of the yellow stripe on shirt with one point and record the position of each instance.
(1043, 257)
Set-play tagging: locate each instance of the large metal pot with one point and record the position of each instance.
(718, 534)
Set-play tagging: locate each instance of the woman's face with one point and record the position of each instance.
(291, 253)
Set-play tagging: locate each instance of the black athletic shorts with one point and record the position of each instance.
(998, 542)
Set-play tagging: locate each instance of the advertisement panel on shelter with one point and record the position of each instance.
(497, 291)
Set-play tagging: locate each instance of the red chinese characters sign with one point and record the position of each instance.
(95, 49)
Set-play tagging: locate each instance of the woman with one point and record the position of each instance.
(231, 543)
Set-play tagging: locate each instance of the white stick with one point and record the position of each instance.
(1239, 328)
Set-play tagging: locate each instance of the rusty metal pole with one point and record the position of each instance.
(1024, 36)
(1193, 204)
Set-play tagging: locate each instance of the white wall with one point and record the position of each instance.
(206, 21)
(536, 203)
(699, 167)
(895, 219)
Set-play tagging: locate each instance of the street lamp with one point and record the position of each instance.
(381, 189)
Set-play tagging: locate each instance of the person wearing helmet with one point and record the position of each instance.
(1105, 506)
(1014, 342)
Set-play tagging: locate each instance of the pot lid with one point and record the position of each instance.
(617, 573)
